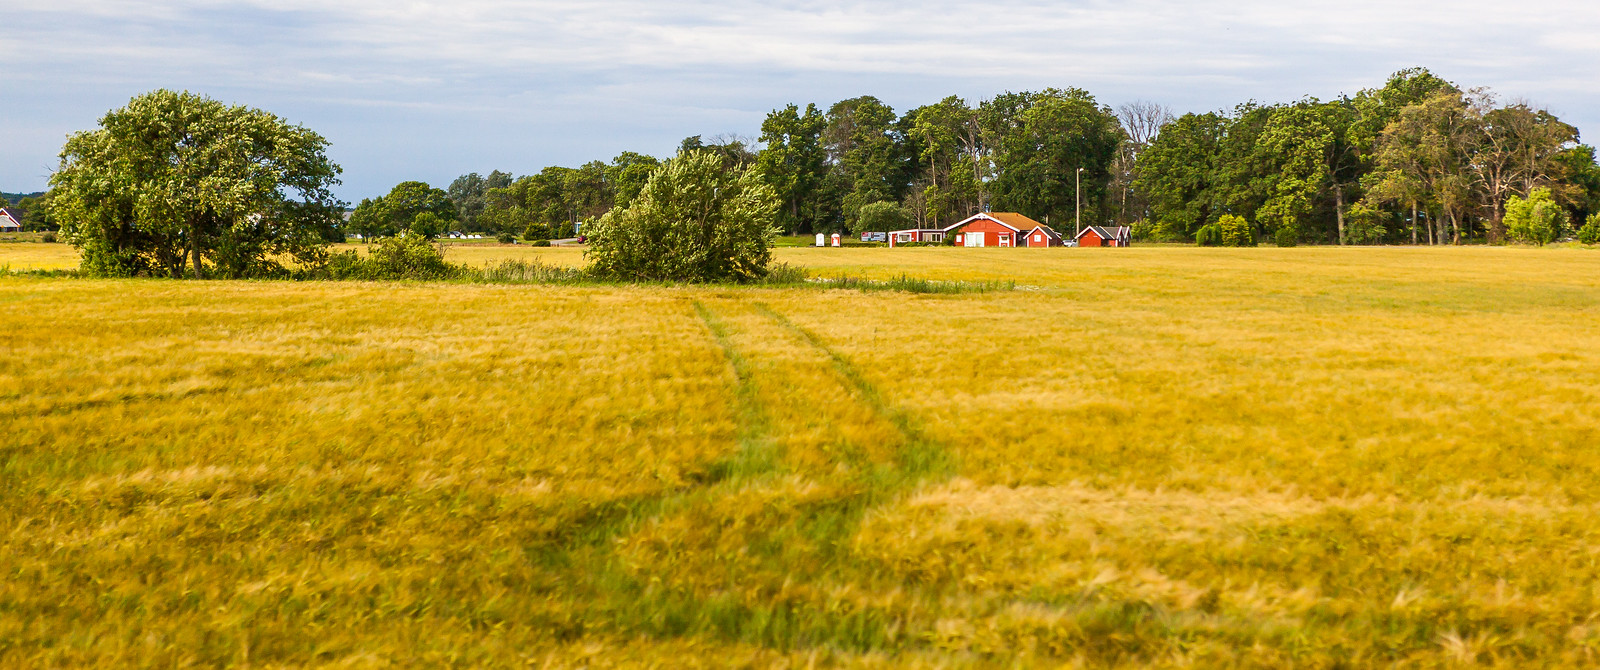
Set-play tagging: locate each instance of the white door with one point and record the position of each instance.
(974, 240)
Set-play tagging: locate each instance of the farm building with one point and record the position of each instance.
(897, 237)
(994, 229)
(1042, 236)
(1105, 236)
(10, 220)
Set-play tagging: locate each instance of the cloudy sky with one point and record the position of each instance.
(431, 90)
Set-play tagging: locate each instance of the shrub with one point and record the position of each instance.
(882, 216)
(505, 238)
(541, 243)
(1363, 225)
(49, 237)
(696, 221)
(1287, 236)
(1235, 231)
(1538, 219)
(1208, 235)
(1590, 232)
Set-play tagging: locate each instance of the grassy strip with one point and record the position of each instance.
(910, 284)
(923, 458)
(757, 450)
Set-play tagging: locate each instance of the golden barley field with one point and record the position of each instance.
(1148, 457)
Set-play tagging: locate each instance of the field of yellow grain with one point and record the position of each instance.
(1168, 457)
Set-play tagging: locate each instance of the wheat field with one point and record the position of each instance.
(1146, 457)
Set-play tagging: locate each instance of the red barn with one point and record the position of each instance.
(993, 229)
(1105, 236)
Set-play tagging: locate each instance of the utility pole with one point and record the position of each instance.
(1077, 203)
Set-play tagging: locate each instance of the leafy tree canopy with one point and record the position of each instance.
(174, 181)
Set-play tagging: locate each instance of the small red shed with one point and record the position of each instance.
(993, 229)
(1105, 236)
(1042, 236)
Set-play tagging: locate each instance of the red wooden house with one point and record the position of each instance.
(994, 229)
(1105, 236)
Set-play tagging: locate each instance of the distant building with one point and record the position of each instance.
(1105, 236)
(10, 220)
(910, 235)
(993, 229)
(1042, 236)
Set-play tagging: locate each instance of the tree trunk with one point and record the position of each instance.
(194, 248)
(1413, 222)
(1338, 210)
(1455, 226)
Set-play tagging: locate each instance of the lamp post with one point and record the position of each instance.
(1077, 203)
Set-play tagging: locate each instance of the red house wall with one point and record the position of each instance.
(1090, 239)
(1044, 240)
(991, 232)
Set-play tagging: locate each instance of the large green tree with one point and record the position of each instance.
(394, 213)
(1038, 154)
(866, 153)
(1176, 171)
(952, 162)
(794, 163)
(470, 192)
(174, 180)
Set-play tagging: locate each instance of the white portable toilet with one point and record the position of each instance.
(836, 239)
(820, 241)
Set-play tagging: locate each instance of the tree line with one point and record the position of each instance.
(1416, 160)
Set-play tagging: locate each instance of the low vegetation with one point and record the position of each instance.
(1342, 460)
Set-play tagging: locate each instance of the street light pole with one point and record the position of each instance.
(1077, 203)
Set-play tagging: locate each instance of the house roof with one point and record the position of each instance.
(13, 214)
(1010, 220)
(1046, 230)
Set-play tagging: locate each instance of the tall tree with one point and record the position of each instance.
(174, 179)
(469, 193)
(1519, 151)
(793, 162)
(1176, 173)
(1141, 122)
(1037, 160)
(951, 150)
(865, 152)
(628, 173)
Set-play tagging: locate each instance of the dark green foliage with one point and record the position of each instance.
(470, 193)
(505, 238)
(541, 243)
(1209, 235)
(1176, 173)
(1287, 236)
(1590, 232)
(395, 213)
(794, 164)
(1039, 142)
